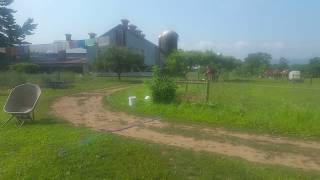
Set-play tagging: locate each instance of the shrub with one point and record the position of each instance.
(163, 87)
(12, 79)
(58, 79)
(4, 62)
(25, 68)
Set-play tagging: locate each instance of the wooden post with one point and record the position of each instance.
(208, 91)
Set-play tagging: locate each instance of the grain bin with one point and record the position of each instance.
(168, 42)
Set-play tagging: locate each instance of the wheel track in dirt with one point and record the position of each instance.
(87, 109)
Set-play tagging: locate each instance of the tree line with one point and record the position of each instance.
(259, 64)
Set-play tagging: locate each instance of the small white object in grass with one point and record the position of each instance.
(132, 100)
(147, 98)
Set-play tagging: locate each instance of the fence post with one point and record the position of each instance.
(187, 84)
(208, 91)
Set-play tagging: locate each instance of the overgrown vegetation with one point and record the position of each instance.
(11, 79)
(268, 106)
(163, 87)
(25, 68)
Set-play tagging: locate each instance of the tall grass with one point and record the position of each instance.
(11, 79)
(277, 107)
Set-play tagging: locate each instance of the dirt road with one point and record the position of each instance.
(88, 109)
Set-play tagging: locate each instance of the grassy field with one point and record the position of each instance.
(268, 106)
(49, 148)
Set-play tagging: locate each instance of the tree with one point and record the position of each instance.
(177, 64)
(314, 67)
(257, 63)
(10, 32)
(283, 64)
(118, 60)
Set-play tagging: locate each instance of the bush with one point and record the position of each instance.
(11, 79)
(4, 62)
(58, 79)
(25, 68)
(163, 87)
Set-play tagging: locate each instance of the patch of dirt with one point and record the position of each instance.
(88, 109)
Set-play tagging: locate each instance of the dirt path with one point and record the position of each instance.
(87, 109)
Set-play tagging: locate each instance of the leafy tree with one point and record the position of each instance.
(283, 64)
(10, 32)
(177, 64)
(257, 63)
(118, 60)
(314, 66)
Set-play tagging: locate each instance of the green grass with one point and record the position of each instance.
(49, 148)
(267, 106)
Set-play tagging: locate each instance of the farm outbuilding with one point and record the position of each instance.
(294, 75)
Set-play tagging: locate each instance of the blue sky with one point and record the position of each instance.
(288, 28)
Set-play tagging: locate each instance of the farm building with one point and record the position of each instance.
(131, 37)
(71, 53)
(294, 75)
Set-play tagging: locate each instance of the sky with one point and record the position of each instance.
(283, 28)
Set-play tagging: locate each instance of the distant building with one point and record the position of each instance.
(129, 36)
(80, 53)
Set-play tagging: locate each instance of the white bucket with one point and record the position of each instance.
(147, 98)
(132, 100)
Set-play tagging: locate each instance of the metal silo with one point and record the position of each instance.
(168, 42)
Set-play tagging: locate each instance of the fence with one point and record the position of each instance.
(197, 82)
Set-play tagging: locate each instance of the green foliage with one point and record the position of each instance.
(10, 32)
(4, 62)
(12, 79)
(303, 68)
(314, 67)
(268, 106)
(257, 63)
(179, 63)
(163, 87)
(25, 68)
(118, 60)
(219, 62)
(283, 64)
(61, 80)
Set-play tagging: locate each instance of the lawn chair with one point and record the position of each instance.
(22, 102)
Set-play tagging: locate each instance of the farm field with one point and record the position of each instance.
(53, 148)
(265, 106)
